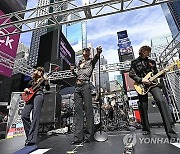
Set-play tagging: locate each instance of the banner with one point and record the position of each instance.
(129, 82)
(8, 48)
(14, 124)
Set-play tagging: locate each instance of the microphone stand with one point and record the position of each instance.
(100, 136)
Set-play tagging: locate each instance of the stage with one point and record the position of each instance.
(60, 143)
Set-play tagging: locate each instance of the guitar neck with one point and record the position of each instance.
(38, 84)
(161, 72)
(157, 75)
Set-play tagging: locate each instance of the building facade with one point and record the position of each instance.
(35, 40)
(172, 14)
(158, 45)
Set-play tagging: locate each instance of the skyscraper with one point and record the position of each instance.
(172, 14)
(12, 5)
(104, 76)
(35, 40)
(158, 45)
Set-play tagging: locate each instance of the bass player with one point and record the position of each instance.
(140, 67)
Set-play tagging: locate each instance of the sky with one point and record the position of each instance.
(142, 25)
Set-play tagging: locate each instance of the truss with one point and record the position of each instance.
(103, 68)
(171, 51)
(19, 66)
(96, 8)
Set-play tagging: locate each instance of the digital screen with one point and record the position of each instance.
(122, 34)
(66, 52)
(8, 45)
(124, 43)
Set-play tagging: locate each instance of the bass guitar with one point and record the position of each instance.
(142, 88)
(27, 95)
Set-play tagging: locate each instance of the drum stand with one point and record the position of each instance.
(100, 136)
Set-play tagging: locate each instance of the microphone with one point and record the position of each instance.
(99, 49)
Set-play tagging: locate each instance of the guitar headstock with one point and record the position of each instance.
(172, 65)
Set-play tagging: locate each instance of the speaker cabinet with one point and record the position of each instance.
(154, 115)
(51, 108)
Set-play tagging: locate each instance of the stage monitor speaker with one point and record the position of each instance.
(51, 108)
(154, 115)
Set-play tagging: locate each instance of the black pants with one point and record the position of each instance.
(162, 105)
(31, 127)
(83, 94)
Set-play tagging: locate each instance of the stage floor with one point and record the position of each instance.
(114, 145)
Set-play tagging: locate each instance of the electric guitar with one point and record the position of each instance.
(142, 88)
(27, 95)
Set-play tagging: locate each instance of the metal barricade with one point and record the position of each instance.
(172, 84)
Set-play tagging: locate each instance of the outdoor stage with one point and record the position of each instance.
(56, 144)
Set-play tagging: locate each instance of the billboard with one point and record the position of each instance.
(124, 57)
(8, 48)
(74, 36)
(122, 34)
(129, 82)
(15, 125)
(124, 43)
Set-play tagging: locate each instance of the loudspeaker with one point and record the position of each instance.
(154, 115)
(51, 108)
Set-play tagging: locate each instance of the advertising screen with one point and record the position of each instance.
(124, 43)
(122, 34)
(66, 52)
(8, 48)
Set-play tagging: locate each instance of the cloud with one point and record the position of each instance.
(142, 25)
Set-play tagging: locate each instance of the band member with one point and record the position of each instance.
(83, 94)
(140, 67)
(35, 104)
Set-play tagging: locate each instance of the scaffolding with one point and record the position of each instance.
(97, 8)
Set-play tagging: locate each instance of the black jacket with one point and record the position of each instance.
(141, 67)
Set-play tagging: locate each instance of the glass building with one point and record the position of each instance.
(172, 14)
(158, 45)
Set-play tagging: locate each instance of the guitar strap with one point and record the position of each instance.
(150, 66)
(145, 66)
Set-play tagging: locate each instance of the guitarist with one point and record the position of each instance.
(35, 104)
(140, 67)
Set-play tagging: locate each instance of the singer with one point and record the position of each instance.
(83, 94)
(35, 104)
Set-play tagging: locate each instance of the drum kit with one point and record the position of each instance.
(114, 114)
